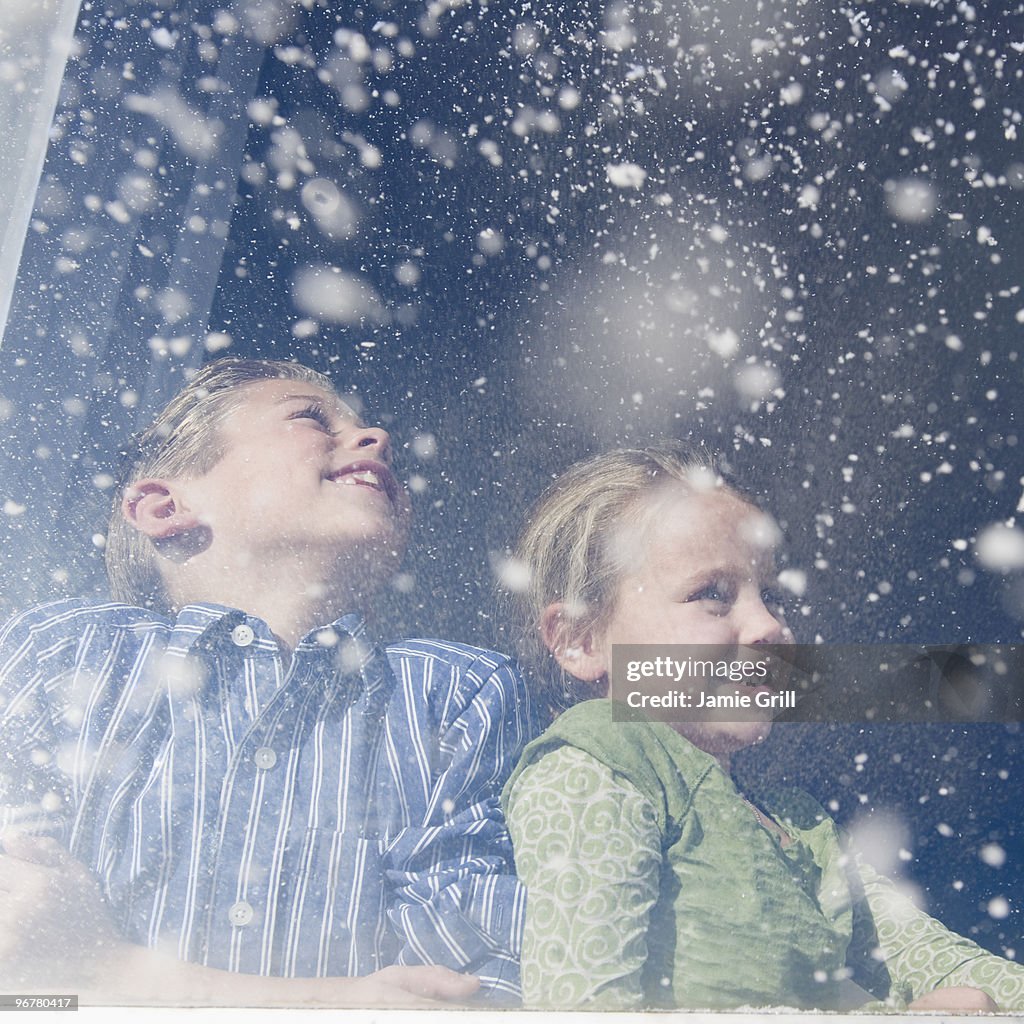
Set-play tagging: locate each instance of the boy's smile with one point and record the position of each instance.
(368, 474)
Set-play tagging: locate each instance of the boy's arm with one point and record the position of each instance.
(455, 897)
(56, 935)
(34, 794)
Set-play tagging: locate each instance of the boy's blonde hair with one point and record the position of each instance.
(576, 547)
(183, 441)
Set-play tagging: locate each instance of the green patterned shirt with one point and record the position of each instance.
(651, 883)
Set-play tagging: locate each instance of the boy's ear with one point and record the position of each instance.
(580, 653)
(154, 508)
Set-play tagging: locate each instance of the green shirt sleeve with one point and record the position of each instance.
(921, 954)
(588, 848)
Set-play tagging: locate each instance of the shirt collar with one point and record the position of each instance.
(203, 628)
(343, 648)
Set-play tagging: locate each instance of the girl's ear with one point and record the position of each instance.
(154, 508)
(580, 653)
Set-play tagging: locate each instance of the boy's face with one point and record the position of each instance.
(301, 477)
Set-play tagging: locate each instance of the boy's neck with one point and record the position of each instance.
(290, 601)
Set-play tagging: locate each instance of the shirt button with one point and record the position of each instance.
(242, 636)
(240, 914)
(265, 758)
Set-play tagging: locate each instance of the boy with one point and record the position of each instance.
(256, 788)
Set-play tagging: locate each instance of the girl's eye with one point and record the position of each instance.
(712, 592)
(774, 600)
(313, 412)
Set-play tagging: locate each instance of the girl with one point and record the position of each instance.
(652, 879)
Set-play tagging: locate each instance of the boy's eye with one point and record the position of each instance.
(313, 412)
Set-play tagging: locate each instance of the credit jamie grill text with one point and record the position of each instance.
(819, 682)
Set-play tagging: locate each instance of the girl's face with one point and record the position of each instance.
(705, 574)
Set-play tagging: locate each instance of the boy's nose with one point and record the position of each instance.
(374, 440)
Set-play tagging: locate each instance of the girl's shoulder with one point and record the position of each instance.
(660, 763)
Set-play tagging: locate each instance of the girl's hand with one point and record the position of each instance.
(957, 999)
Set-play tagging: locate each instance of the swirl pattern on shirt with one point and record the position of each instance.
(588, 849)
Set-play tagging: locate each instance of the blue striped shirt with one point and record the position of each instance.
(330, 816)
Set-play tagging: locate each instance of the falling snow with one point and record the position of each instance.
(528, 231)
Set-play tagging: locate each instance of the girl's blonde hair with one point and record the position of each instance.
(575, 548)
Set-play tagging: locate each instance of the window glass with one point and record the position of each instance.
(523, 232)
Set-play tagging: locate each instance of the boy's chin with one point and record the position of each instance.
(384, 530)
(366, 539)
(353, 562)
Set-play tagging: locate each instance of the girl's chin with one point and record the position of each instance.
(720, 738)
